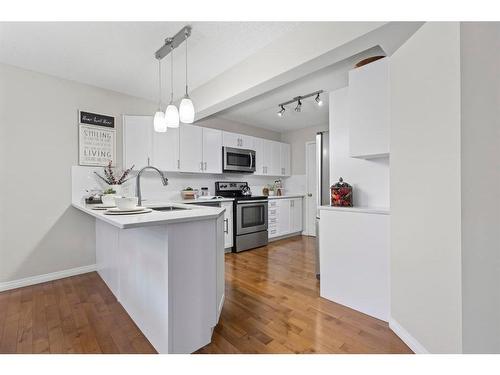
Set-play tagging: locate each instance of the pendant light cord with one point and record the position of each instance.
(159, 85)
(171, 74)
(186, 64)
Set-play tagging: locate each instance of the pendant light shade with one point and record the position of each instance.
(172, 116)
(159, 123)
(186, 108)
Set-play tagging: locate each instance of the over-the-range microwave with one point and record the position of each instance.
(238, 160)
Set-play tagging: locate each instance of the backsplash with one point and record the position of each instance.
(83, 178)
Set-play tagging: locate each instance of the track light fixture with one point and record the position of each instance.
(299, 99)
(281, 112)
(318, 100)
(299, 106)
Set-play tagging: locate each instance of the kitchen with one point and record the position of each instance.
(208, 220)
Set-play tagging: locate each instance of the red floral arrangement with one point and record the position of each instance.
(341, 194)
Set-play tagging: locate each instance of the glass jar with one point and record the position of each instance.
(341, 194)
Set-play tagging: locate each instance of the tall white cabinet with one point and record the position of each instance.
(368, 108)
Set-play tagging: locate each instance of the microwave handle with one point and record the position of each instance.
(251, 159)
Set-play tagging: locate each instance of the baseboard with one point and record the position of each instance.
(408, 339)
(47, 277)
(285, 236)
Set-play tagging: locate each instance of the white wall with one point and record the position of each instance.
(369, 178)
(480, 88)
(236, 127)
(425, 187)
(297, 140)
(39, 232)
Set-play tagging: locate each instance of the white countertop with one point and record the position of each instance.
(154, 217)
(368, 210)
(194, 201)
(286, 196)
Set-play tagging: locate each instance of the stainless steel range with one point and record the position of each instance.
(249, 212)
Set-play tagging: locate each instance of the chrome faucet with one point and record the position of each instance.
(164, 180)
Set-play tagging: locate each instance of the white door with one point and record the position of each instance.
(166, 150)
(285, 159)
(258, 146)
(212, 150)
(283, 216)
(296, 215)
(272, 158)
(311, 181)
(191, 148)
(137, 141)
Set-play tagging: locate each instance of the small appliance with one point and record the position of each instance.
(249, 212)
(238, 160)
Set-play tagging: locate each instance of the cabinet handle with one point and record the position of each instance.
(226, 222)
(205, 166)
(201, 165)
(178, 164)
(292, 203)
(263, 169)
(148, 161)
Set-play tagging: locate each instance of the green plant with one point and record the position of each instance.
(188, 189)
(109, 191)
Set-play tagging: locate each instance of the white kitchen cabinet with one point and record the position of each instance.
(368, 108)
(137, 141)
(258, 147)
(191, 148)
(284, 216)
(237, 140)
(285, 159)
(212, 150)
(228, 224)
(166, 150)
(296, 215)
(270, 163)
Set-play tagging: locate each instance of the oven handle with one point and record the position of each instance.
(255, 201)
(251, 159)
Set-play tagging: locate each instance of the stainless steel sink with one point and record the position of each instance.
(168, 208)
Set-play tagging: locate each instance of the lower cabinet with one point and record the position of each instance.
(228, 224)
(284, 216)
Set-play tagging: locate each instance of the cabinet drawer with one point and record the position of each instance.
(272, 203)
(271, 212)
(273, 232)
(272, 220)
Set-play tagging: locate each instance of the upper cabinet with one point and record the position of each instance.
(237, 140)
(196, 149)
(137, 141)
(368, 108)
(200, 149)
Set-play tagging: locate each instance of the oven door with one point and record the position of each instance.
(251, 216)
(238, 160)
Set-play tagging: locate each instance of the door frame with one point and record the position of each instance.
(308, 231)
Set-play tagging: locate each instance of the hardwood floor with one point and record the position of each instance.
(272, 306)
(77, 314)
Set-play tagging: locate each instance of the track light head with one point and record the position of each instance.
(318, 100)
(299, 106)
(281, 112)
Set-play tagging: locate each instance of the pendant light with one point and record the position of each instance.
(171, 113)
(159, 122)
(186, 108)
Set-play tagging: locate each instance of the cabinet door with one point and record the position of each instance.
(274, 163)
(258, 146)
(190, 148)
(212, 150)
(247, 142)
(368, 106)
(296, 215)
(228, 224)
(166, 150)
(137, 141)
(230, 139)
(285, 159)
(283, 217)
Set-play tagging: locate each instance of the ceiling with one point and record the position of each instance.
(119, 56)
(262, 111)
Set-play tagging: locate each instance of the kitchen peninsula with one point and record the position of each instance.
(166, 268)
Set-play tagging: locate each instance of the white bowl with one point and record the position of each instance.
(109, 199)
(126, 203)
